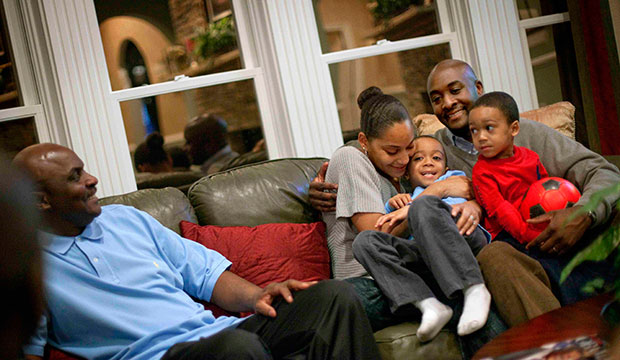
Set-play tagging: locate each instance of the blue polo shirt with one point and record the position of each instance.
(121, 289)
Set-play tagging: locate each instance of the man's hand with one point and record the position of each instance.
(263, 299)
(471, 213)
(399, 201)
(388, 221)
(559, 236)
(322, 195)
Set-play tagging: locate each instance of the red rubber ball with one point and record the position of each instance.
(552, 193)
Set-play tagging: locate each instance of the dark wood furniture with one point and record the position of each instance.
(582, 318)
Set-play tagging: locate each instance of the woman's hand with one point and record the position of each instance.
(399, 201)
(454, 186)
(387, 222)
(470, 212)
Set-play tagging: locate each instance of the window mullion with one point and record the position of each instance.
(95, 133)
(498, 45)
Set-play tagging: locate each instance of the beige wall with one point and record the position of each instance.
(151, 43)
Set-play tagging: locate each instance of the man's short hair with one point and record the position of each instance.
(500, 101)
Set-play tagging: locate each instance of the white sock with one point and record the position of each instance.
(435, 316)
(475, 309)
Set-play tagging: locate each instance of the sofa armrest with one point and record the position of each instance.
(559, 116)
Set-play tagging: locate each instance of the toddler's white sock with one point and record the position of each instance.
(475, 309)
(435, 316)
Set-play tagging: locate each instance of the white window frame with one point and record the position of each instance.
(26, 72)
(281, 53)
(533, 23)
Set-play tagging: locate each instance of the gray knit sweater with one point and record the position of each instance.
(360, 190)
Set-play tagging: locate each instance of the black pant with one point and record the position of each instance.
(326, 321)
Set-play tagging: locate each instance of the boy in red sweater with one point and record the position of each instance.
(503, 172)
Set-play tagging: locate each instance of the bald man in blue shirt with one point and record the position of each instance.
(118, 286)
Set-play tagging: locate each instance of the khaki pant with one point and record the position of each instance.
(520, 287)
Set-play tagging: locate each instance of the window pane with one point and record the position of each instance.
(545, 65)
(402, 75)
(16, 135)
(235, 103)
(534, 8)
(9, 89)
(152, 41)
(347, 24)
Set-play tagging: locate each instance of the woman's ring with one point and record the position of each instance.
(472, 218)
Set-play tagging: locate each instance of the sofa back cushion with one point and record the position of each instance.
(274, 191)
(559, 116)
(168, 206)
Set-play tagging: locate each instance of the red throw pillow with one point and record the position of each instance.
(52, 353)
(269, 252)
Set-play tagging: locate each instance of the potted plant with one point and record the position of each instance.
(600, 249)
(217, 37)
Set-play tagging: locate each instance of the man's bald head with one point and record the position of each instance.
(37, 159)
(66, 193)
(205, 135)
(453, 87)
(464, 68)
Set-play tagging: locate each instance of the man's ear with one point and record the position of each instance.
(479, 88)
(42, 201)
(514, 128)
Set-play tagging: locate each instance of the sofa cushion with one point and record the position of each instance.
(559, 116)
(273, 191)
(269, 252)
(168, 206)
(400, 342)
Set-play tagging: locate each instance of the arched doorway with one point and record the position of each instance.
(134, 64)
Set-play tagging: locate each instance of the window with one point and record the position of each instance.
(300, 65)
(545, 27)
(22, 116)
(153, 48)
(389, 44)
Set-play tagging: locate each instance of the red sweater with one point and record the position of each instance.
(499, 185)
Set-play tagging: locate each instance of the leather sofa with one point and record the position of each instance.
(270, 192)
(276, 191)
